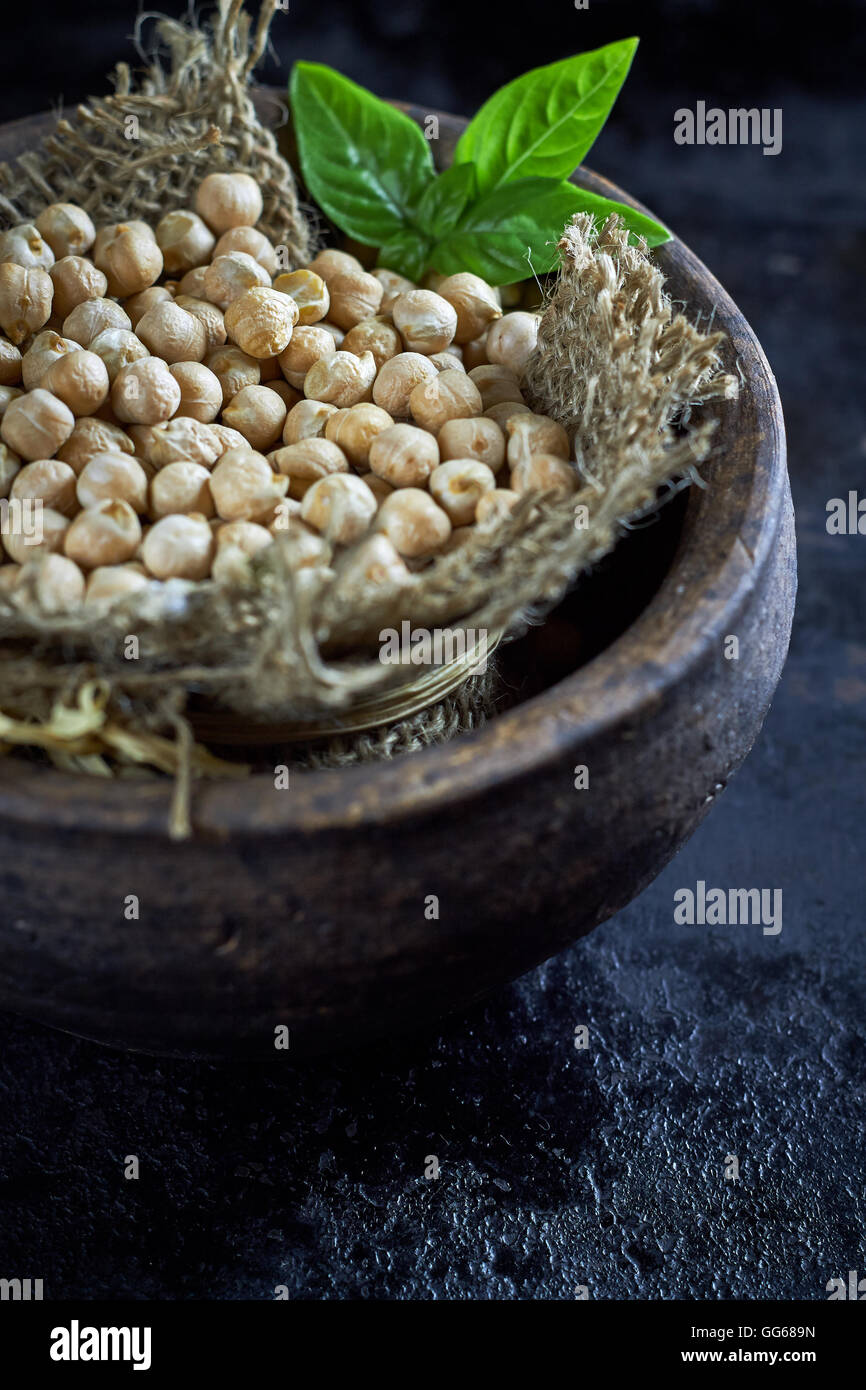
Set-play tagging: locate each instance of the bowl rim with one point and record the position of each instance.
(693, 609)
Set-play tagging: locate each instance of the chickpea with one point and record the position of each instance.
(46, 348)
(10, 467)
(341, 379)
(511, 342)
(48, 481)
(258, 414)
(93, 317)
(225, 439)
(138, 304)
(90, 437)
(111, 477)
(75, 280)
(192, 284)
(129, 257)
(234, 370)
(261, 322)
(475, 353)
(144, 393)
(118, 349)
(25, 300)
(393, 285)
(356, 429)
(307, 346)
(287, 517)
(230, 276)
(474, 302)
(413, 522)
(447, 396)
(179, 547)
(458, 540)
(497, 385)
(379, 488)
(10, 364)
(172, 334)
(355, 296)
(105, 534)
(201, 395)
(307, 420)
(24, 246)
(309, 292)
(426, 322)
(10, 577)
(505, 410)
(543, 473)
(209, 316)
(184, 240)
(330, 263)
(377, 335)
(228, 200)
(397, 380)
(57, 583)
(181, 487)
(243, 486)
(269, 369)
(307, 461)
(404, 456)
(457, 486)
(251, 242)
(336, 333)
(80, 380)
(535, 434)
(111, 583)
(8, 394)
(340, 507)
(476, 438)
(36, 425)
(448, 361)
(246, 536)
(67, 228)
(494, 507)
(287, 394)
(21, 547)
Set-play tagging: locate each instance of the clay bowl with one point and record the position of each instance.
(306, 908)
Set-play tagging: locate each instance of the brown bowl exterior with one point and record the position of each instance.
(307, 908)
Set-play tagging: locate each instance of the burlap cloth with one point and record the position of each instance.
(614, 364)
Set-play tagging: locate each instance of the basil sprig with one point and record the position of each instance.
(501, 206)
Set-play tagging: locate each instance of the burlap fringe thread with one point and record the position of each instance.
(613, 364)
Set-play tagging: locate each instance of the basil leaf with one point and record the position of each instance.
(543, 123)
(364, 162)
(408, 254)
(445, 199)
(638, 224)
(493, 238)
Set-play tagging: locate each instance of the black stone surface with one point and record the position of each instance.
(560, 1167)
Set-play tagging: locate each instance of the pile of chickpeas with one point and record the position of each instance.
(174, 401)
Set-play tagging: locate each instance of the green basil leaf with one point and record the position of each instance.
(364, 162)
(509, 232)
(445, 200)
(408, 254)
(543, 123)
(639, 225)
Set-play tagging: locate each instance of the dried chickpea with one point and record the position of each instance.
(129, 257)
(10, 576)
(145, 392)
(24, 246)
(75, 280)
(233, 369)
(460, 536)
(184, 240)
(46, 348)
(54, 526)
(80, 380)
(379, 488)
(511, 342)
(336, 333)
(448, 361)
(393, 285)
(356, 429)
(426, 322)
(269, 369)
(497, 385)
(141, 438)
(457, 486)
(247, 536)
(228, 200)
(187, 440)
(8, 394)
(110, 583)
(377, 335)
(93, 317)
(307, 461)
(10, 467)
(179, 547)
(261, 322)
(340, 507)
(25, 300)
(309, 292)
(505, 411)
(36, 425)
(105, 534)
(287, 394)
(404, 456)
(231, 566)
(230, 276)
(138, 304)
(258, 414)
(67, 228)
(495, 506)
(112, 477)
(307, 420)
(473, 301)
(330, 263)
(225, 439)
(543, 473)
(475, 353)
(341, 379)
(530, 434)
(201, 395)
(251, 242)
(90, 437)
(307, 346)
(118, 348)
(209, 316)
(243, 486)
(57, 582)
(48, 481)
(172, 334)
(355, 296)
(415, 524)
(10, 364)
(397, 380)
(473, 439)
(192, 283)
(447, 396)
(181, 487)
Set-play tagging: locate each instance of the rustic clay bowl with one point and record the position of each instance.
(306, 908)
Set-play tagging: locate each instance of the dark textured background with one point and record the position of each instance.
(604, 1167)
